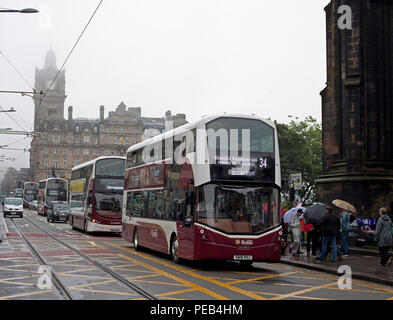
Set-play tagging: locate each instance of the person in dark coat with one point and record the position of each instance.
(383, 234)
(331, 229)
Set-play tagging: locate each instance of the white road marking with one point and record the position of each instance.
(5, 225)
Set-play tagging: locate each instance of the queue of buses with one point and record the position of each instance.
(192, 198)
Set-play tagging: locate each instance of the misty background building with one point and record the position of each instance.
(63, 143)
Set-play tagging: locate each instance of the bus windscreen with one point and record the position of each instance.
(110, 167)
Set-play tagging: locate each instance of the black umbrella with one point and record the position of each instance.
(314, 213)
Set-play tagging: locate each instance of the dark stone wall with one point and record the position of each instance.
(357, 107)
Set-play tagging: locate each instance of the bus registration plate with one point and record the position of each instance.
(241, 258)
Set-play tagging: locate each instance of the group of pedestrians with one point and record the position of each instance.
(322, 237)
(332, 229)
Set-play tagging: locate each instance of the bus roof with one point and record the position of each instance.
(88, 163)
(192, 125)
(52, 178)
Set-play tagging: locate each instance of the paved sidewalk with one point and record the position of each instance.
(364, 267)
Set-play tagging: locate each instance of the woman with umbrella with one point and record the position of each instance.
(345, 221)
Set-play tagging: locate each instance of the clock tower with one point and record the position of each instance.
(50, 108)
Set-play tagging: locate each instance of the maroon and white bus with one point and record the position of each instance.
(193, 198)
(96, 195)
(51, 189)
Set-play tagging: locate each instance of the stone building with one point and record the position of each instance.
(64, 143)
(357, 107)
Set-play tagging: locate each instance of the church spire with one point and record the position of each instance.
(50, 59)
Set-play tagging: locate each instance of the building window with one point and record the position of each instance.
(86, 151)
(115, 140)
(55, 163)
(126, 140)
(77, 151)
(96, 152)
(65, 163)
(95, 140)
(64, 151)
(108, 140)
(86, 139)
(76, 163)
(56, 138)
(46, 162)
(95, 130)
(46, 150)
(106, 152)
(55, 150)
(76, 139)
(77, 129)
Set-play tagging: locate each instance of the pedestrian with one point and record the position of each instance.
(331, 228)
(344, 231)
(311, 241)
(295, 228)
(383, 234)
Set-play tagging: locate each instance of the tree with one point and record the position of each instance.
(301, 151)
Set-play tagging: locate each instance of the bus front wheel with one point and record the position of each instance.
(136, 240)
(175, 250)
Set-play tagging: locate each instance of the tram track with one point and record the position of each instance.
(59, 285)
(66, 295)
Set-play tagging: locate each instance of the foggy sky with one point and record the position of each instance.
(190, 56)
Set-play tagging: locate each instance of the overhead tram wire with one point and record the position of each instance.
(68, 56)
(13, 120)
(16, 70)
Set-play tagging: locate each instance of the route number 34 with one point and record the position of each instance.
(44, 282)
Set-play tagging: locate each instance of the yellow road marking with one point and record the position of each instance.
(82, 276)
(109, 292)
(164, 295)
(133, 270)
(296, 293)
(171, 276)
(89, 284)
(145, 276)
(25, 294)
(313, 298)
(359, 283)
(193, 274)
(160, 282)
(261, 278)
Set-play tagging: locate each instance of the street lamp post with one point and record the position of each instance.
(26, 10)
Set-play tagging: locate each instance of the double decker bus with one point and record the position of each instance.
(51, 189)
(190, 194)
(30, 193)
(96, 195)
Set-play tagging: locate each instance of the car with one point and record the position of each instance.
(58, 211)
(13, 207)
(33, 205)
